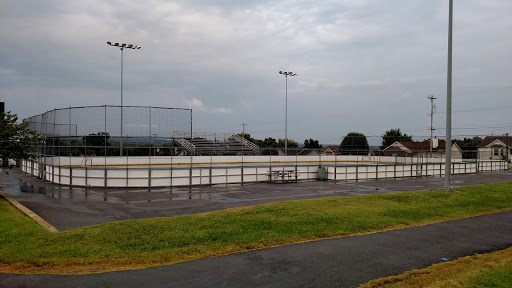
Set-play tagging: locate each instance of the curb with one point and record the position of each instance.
(28, 212)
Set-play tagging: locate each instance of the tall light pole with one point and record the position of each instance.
(448, 160)
(122, 46)
(286, 74)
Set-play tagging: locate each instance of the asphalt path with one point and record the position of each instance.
(342, 262)
(72, 207)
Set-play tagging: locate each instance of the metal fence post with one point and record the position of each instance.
(150, 148)
(335, 167)
(242, 169)
(394, 174)
(211, 170)
(105, 174)
(357, 168)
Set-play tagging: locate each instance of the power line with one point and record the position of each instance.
(476, 128)
(484, 91)
(482, 109)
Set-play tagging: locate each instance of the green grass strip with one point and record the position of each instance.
(27, 247)
(477, 271)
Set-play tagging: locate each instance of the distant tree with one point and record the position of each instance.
(354, 144)
(16, 139)
(438, 140)
(469, 142)
(96, 143)
(99, 139)
(392, 136)
(311, 144)
(469, 147)
(269, 143)
(290, 143)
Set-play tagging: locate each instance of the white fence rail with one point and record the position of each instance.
(211, 170)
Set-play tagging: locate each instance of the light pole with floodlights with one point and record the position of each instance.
(122, 46)
(286, 74)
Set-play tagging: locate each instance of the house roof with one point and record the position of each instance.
(490, 139)
(417, 146)
(292, 151)
(333, 147)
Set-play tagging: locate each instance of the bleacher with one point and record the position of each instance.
(202, 144)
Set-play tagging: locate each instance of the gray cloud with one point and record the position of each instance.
(364, 66)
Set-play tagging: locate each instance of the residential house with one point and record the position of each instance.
(495, 148)
(332, 150)
(420, 149)
(292, 151)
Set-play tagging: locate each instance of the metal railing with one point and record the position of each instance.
(162, 171)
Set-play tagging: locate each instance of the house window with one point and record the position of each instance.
(496, 152)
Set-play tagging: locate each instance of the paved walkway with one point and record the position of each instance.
(344, 262)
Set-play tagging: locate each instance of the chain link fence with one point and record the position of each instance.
(155, 146)
(110, 130)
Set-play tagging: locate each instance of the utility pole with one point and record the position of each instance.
(431, 122)
(243, 130)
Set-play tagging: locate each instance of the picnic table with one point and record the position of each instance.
(282, 176)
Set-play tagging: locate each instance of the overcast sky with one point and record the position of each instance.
(364, 65)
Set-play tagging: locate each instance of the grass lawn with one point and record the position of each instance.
(486, 270)
(26, 247)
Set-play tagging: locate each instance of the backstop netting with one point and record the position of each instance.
(116, 121)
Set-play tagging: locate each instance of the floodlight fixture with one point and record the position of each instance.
(288, 73)
(124, 45)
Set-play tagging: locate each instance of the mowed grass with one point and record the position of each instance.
(27, 247)
(486, 270)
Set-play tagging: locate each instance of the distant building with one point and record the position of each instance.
(420, 149)
(332, 150)
(298, 152)
(495, 148)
